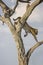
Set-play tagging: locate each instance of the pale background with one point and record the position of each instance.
(8, 51)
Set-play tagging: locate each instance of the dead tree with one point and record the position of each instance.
(20, 24)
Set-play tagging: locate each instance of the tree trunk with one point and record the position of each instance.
(23, 57)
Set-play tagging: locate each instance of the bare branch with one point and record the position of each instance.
(31, 50)
(3, 5)
(7, 11)
(31, 30)
(29, 10)
(8, 22)
(15, 5)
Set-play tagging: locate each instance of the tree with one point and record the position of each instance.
(19, 24)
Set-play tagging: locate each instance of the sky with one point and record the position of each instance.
(8, 50)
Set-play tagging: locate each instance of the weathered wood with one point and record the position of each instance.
(23, 58)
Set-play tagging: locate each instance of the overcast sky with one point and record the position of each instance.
(8, 51)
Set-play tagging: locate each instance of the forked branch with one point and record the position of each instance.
(32, 49)
(27, 28)
(29, 10)
(23, 59)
